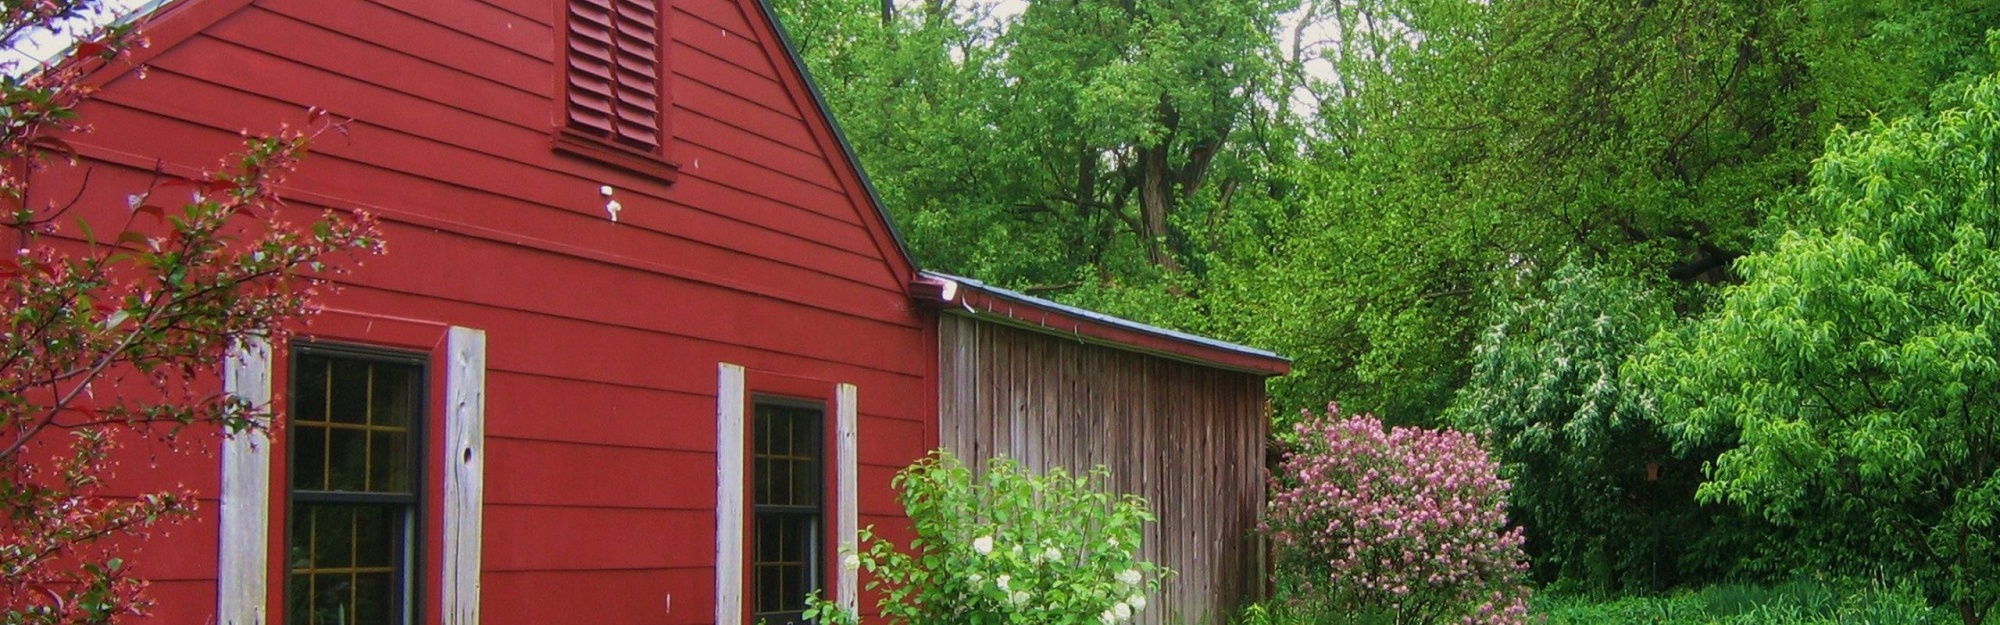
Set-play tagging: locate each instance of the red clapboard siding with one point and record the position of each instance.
(603, 337)
(709, 312)
(190, 601)
(595, 476)
(538, 11)
(738, 47)
(901, 439)
(712, 103)
(597, 412)
(725, 161)
(725, 14)
(557, 538)
(805, 165)
(670, 596)
(482, 21)
(698, 65)
(382, 40)
(893, 396)
(717, 260)
(518, 102)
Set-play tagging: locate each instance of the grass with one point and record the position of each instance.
(1797, 603)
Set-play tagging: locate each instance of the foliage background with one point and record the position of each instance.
(1447, 212)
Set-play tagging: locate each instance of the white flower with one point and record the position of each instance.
(1107, 618)
(983, 545)
(1051, 554)
(850, 562)
(1019, 599)
(1004, 578)
(1130, 577)
(1112, 541)
(975, 578)
(1138, 602)
(1122, 611)
(1016, 551)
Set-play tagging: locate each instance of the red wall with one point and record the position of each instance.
(603, 338)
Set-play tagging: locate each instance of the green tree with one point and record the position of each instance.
(1078, 145)
(1855, 366)
(1607, 503)
(1585, 457)
(1456, 140)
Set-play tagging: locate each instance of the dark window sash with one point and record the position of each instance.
(405, 509)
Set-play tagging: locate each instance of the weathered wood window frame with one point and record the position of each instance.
(250, 553)
(404, 507)
(738, 392)
(614, 100)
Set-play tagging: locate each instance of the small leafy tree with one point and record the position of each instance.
(103, 338)
(1856, 365)
(1606, 502)
(1406, 525)
(1008, 546)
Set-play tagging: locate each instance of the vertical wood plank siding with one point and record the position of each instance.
(1188, 438)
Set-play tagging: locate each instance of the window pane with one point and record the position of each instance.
(375, 535)
(347, 469)
(308, 457)
(346, 560)
(348, 383)
(298, 598)
(390, 471)
(309, 402)
(395, 394)
(787, 550)
(374, 598)
(808, 485)
(767, 580)
(333, 536)
(333, 599)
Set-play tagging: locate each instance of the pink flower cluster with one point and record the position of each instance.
(1407, 521)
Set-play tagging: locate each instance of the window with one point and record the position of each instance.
(354, 432)
(614, 72)
(787, 459)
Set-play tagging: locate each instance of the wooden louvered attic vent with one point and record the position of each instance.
(614, 71)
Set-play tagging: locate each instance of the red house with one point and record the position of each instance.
(644, 348)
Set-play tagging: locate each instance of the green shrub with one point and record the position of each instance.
(1007, 546)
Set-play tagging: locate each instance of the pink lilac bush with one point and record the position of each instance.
(1406, 523)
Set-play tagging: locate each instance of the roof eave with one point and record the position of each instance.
(968, 297)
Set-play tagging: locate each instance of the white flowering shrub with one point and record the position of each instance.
(1007, 546)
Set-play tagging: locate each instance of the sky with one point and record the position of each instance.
(35, 47)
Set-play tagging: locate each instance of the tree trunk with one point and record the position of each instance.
(1156, 198)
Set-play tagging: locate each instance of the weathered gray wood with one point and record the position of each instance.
(242, 567)
(729, 485)
(1186, 437)
(848, 523)
(464, 472)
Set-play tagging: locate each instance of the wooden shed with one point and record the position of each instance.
(644, 348)
(1178, 419)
